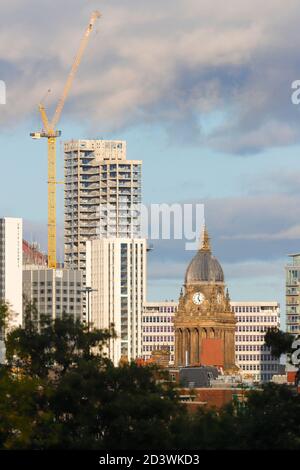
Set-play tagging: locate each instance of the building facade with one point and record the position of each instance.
(116, 271)
(204, 323)
(32, 255)
(102, 196)
(292, 291)
(158, 328)
(11, 260)
(253, 357)
(54, 292)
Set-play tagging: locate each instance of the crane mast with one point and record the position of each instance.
(51, 134)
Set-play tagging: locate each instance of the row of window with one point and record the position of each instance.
(246, 309)
(157, 319)
(249, 338)
(58, 299)
(252, 328)
(150, 348)
(261, 367)
(251, 347)
(58, 291)
(158, 339)
(254, 319)
(158, 329)
(293, 327)
(58, 283)
(255, 357)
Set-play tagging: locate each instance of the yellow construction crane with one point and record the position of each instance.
(49, 132)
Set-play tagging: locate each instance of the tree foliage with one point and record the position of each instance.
(58, 390)
(279, 342)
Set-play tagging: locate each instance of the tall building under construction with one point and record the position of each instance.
(102, 196)
(103, 238)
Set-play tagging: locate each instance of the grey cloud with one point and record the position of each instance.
(165, 62)
(282, 180)
(242, 229)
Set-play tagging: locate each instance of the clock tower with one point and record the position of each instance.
(204, 323)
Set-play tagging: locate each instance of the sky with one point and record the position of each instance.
(201, 93)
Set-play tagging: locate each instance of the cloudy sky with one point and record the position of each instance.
(201, 92)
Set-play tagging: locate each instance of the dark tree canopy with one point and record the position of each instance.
(279, 342)
(58, 390)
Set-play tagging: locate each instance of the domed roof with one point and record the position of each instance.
(204, 267)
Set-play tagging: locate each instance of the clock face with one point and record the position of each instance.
(198, 298)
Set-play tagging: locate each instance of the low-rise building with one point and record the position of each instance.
(158, 328)
(253, 357)
(55, 292)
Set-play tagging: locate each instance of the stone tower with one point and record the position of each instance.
(204, 323)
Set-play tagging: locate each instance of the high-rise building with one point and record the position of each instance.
(293, 295)
(11, 266)
(55, 292)
(102, 196)
(102, 238)
(253, 357)
(158, 328)
(116, 271)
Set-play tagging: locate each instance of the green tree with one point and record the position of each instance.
(269, 419)
(279, 342)
(5, 315)
(58, 346)
(60, 391)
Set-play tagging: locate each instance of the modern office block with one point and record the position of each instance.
(55, 292)
(118, 280)
(158, 328)
(253, 357)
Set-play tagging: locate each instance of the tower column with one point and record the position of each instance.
(176, 347)
(195, 343)
(186, 347)
(192, 347)
(229, 347)
(182, 346)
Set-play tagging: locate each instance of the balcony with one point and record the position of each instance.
(87, 193)
(89, 201)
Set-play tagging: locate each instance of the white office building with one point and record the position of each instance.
(116, 271)
(253, 357)
(11, 267)
(158, 328)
